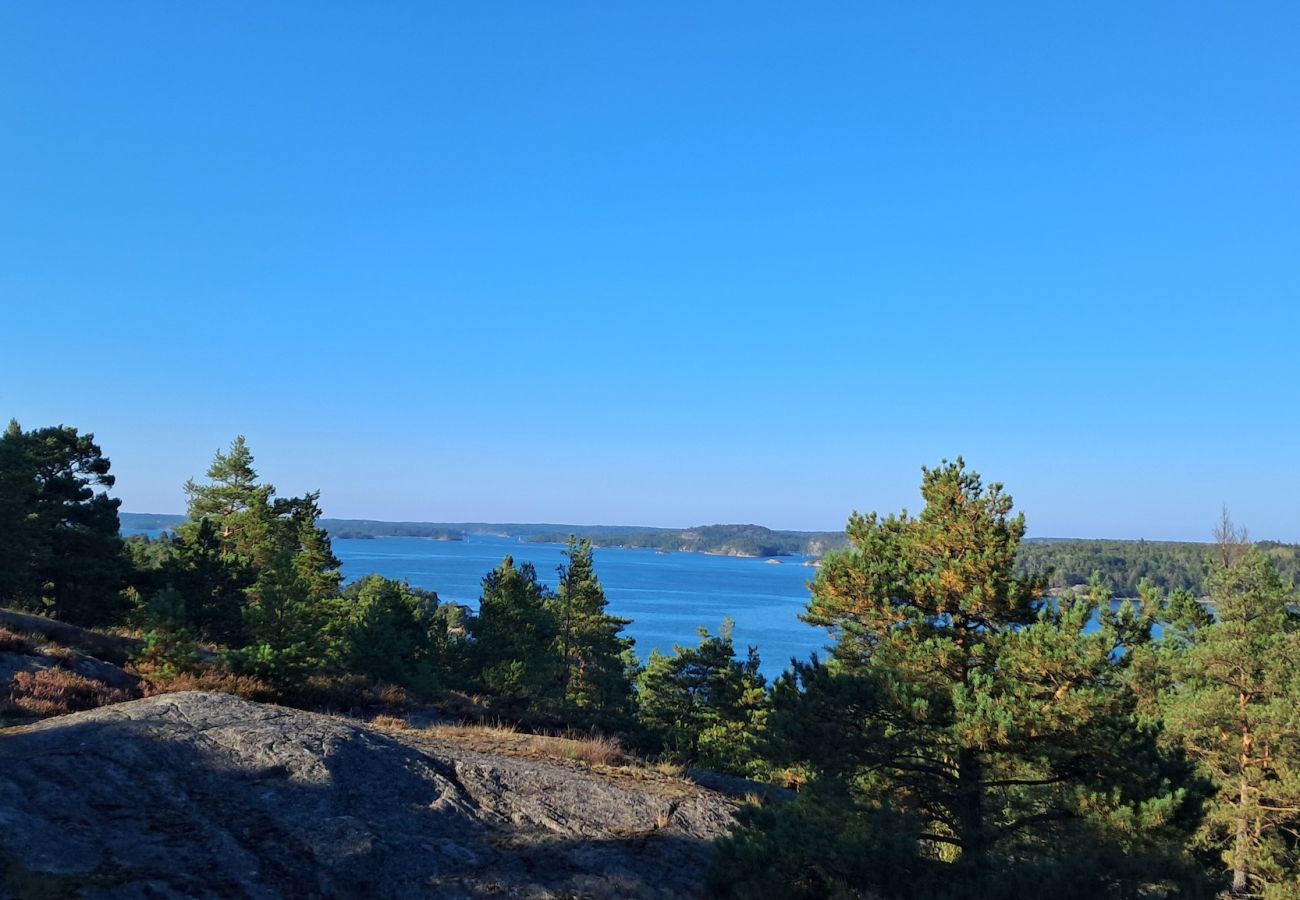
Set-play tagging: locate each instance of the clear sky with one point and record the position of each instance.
(664, 264)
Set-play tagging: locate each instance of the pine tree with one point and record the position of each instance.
(213, 582)
(388, 634)
(278, 567)
(514, 637)
(596, 661)
(990, 729)
(1234, 702)
(60, 550)
(703, 706)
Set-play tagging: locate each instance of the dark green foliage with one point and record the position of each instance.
(704, 707)
(169, 648)
(60, 552)
(256, 571)
(995, 726)
(597, 665)
(514, 639)
(365, 529)
(818, 846)
(1232, 698)
(1125, 565)
(214, 582)
(388, 633)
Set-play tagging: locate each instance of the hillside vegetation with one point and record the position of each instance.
(969, 734)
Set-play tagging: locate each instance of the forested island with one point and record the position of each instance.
(720, 540)
(1122, 565)
(967, 734)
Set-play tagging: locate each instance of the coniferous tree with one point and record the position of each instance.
(703, 706)
(596, 662)
(213, 582)
(388, 633)
(984, 732)
(514, 638)
(60, 550)
(276, 554)
(1233, 700)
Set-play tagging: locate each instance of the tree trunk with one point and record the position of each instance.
(1242, 844)
(969, 809)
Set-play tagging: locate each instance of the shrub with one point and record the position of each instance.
(163, 681)
(13, 642)
(169, 651)
(54, 692)
(350, 693)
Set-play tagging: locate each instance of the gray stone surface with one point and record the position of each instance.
(206, 795)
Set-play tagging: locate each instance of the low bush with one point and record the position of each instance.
(13, 642)
(160, 680)
(349, 693)
(54, 692)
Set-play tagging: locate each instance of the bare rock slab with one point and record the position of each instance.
(207, 795)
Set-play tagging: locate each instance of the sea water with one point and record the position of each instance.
(667, 596)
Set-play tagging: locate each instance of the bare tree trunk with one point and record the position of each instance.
(1232, 542)
(1241, 845)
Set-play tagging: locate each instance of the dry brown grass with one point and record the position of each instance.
(54, 692)
(62, 656)
(598, 750)
(506, 739)
(14, 642)
(393, 722)
(250, 688)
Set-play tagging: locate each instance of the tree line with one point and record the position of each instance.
(1124, 566)
(249, 579)
(969, 734)
(728, 540)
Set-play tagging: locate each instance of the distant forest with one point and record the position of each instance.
(1122, 565)
(722, 540)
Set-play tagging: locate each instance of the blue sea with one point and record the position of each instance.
(667, 596)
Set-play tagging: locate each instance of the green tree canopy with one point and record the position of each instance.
(256, 569)
(1233, 700)
(514, 638)
(596, 661)
(992, 729)
(388, 633)
(60, 551)
(704, 706)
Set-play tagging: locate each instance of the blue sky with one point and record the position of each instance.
(664, 263)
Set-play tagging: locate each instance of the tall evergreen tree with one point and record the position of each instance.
(596, 661)
(1234, 702)
(514, 637)
(212, 581)
(243, 545)
(60, 550)
(990, 730)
